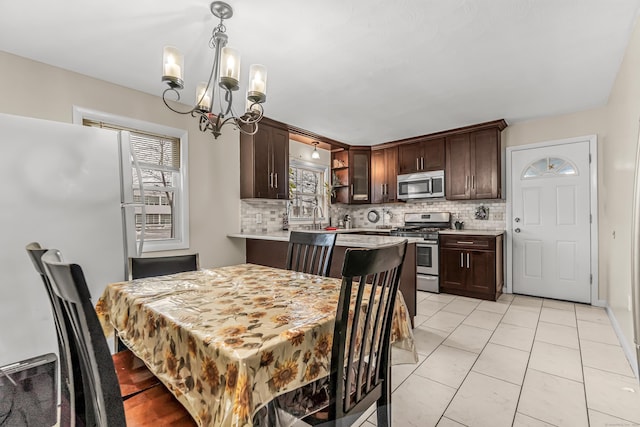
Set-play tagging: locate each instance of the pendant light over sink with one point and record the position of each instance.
(315, 154)
(223, 80)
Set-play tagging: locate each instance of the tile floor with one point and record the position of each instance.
(520, 361)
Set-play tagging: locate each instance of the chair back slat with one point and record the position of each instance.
(310, 252)
(140, 268)
(98, 380)
(361, 348)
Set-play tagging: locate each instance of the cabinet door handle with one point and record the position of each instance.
(473, 181)
(270, 179)
(382, 189)
(466, 182)
(386, 189)
(461, 260)
(460, 242)
(421, 163)
(467, 259)
(417, 164)
(276, 175)
(351, 190)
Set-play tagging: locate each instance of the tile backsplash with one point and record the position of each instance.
(270, 213)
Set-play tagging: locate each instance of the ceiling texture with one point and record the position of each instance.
(361, 72)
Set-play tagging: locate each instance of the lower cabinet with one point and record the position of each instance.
(471, 265)
(273, 253)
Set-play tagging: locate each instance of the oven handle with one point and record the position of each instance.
(425, 243)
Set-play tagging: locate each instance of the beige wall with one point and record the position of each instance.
(616, 192)
(42, 91)
(616, 126)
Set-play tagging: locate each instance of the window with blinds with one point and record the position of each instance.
(160, 163)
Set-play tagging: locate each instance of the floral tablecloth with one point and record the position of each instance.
(228, 340)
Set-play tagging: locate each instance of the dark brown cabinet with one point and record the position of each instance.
(264, 164)
(473, 165)
(471, 265)
(351, 175)
(384, 175)
(421, 156)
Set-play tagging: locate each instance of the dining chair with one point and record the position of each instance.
(139, 268)
(310, 252)
(133, 374)
(98, 380)
(360, 370)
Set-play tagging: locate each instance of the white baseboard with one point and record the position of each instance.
(629, 350)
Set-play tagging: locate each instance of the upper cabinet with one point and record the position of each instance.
(264, 163)
(421, 156)
(473, 164)
(384, 174)
(351, 175)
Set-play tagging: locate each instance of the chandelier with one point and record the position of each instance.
(223, 81)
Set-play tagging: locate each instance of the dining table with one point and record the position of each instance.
(226, 341)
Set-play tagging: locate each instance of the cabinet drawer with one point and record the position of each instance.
(468, 242)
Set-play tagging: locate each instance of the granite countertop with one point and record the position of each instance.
(345, 238)
(474, 232)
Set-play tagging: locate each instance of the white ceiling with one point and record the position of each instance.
(360, 71)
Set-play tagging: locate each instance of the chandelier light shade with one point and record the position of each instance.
(224, 79)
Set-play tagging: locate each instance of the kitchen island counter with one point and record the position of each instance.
(346, 238)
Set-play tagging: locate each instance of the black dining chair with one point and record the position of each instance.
(133, 374)
(139, 268)
(310, 252)
(98, 380)
(360, 373)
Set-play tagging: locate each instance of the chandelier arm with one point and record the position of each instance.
(253, 125)
(164, 99)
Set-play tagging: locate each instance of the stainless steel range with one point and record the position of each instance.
(426, 226)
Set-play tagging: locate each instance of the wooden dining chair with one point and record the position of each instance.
(139, 268)
(98, 380)
(133, 374)
(310, 252)
(360, 356)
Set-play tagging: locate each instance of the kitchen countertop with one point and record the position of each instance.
(345, 238)
(474, 232)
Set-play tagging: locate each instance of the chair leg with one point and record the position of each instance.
(383, 405)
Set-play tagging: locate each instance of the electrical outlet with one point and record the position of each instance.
(258, 218)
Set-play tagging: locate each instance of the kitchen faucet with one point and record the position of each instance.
(315, 210)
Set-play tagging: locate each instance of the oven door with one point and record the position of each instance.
(427, 257)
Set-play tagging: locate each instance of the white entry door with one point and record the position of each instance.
(551, 239)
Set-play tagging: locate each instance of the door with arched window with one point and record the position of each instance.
(550, 221)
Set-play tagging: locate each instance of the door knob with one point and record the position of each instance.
(517, 219)
(517, 230)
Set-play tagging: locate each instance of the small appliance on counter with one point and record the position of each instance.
(425, 225)
(347, 221)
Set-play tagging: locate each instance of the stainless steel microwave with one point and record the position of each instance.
(421, 185)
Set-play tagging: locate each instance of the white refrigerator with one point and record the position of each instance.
(67, 187)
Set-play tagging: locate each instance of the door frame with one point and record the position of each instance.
(593, 196)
